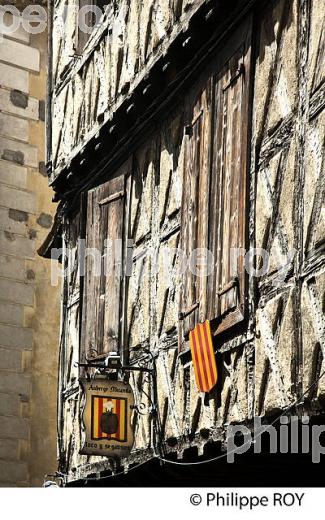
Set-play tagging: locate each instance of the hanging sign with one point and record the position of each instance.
(107, 418)
(204, 361)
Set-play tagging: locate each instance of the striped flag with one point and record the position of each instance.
(204, 361)
(117, 409)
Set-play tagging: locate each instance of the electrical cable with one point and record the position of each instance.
(234, 451)
(61, 475)
(213, 459)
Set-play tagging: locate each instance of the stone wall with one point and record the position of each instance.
(29, 306)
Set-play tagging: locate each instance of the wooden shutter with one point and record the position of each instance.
(229, 173)
(214, 208)
(195, 200)
(102, 305)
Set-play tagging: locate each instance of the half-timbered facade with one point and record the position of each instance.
(178, 126)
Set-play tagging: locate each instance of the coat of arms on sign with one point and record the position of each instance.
(107, 418)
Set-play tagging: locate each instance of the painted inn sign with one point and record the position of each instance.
(107, 418)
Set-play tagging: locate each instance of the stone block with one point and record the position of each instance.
(10, 359)
(15, 337)
(9, 449)
(42, 168)
(20, 55)
(22, 153)
(19, 99)
(13, 174)
(45, 220)
(9, 404)
(11, 244)
(14, 384)
(17, 31)
(13, 471)
(42, 110)
(11, 267)
(6, 105)
(17, 199)
(14, 427)
(11, 314)
(14, 156)
(8, 223)
(17, 215)
(11, 77)
(16, 292)
(15, 127)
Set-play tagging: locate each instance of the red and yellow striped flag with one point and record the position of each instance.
(204, 361)
(118, 408)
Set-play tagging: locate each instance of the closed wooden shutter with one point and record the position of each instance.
(229, 173)
(195, 200)
(214, 208)
(104, 268)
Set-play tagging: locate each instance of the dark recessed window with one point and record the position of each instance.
(88, 17)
